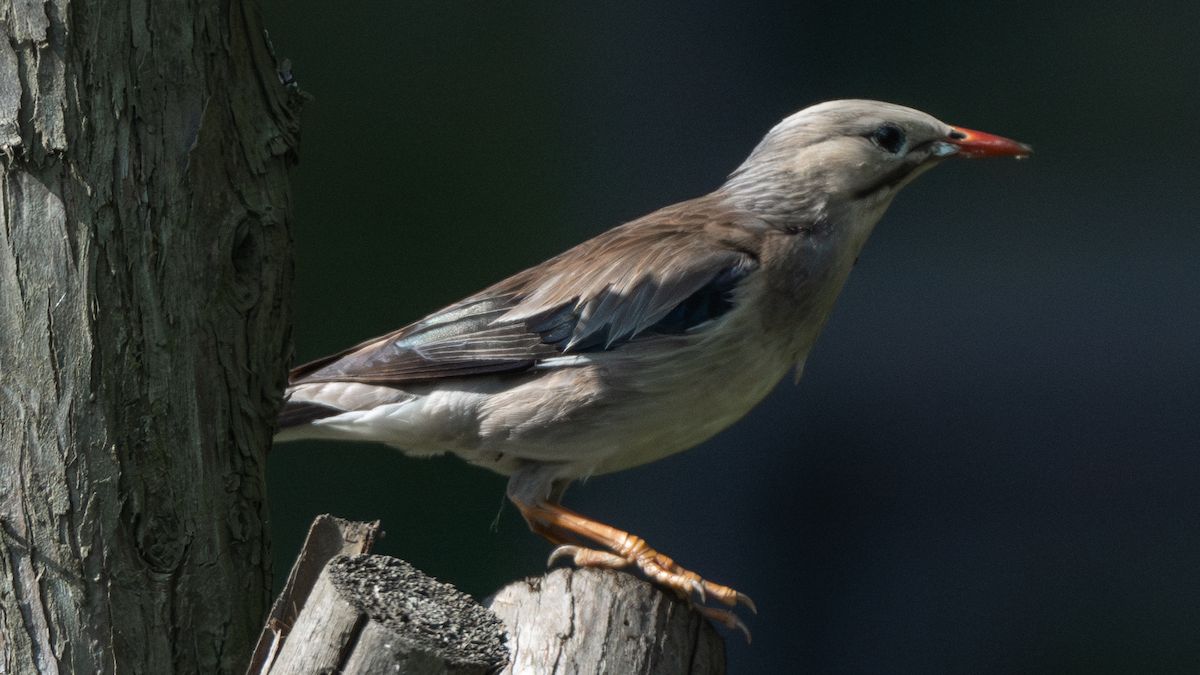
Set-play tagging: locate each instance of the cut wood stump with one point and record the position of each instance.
(328, 537)
(594, 622)
(375, 614)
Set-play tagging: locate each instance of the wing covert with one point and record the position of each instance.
(649, 277)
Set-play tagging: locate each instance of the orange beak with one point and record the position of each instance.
(978, 144)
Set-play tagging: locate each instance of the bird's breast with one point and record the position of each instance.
(689, 405)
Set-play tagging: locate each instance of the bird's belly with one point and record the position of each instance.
(607, 419)
(596, 417)
(694, 411)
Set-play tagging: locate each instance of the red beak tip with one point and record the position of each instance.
(978, 144)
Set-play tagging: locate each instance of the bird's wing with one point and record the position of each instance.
(457, 341)
(650, 277)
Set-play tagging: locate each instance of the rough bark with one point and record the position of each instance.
(603, 622)
(144, 318)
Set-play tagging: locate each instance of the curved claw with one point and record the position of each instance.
(564, 550)
(588, 557)
(745, 600)
(698, 588)
(727, 595)
(725, 618)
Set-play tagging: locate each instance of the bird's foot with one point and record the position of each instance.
(618, 550)
(663, 570)
(634, 551)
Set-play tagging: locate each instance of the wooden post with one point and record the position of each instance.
(375, 614)
(594, 622)
(328, 537)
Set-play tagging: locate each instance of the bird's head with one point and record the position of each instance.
(848, 158)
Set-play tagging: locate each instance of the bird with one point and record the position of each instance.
(643, 341)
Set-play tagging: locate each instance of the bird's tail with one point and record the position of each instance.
(297, 413)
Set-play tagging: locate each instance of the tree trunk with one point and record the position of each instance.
(144, 318)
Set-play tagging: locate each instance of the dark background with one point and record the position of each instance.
(991, 464)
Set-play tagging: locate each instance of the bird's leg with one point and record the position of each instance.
(554, 521)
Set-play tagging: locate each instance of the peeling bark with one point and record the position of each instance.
(145, 313)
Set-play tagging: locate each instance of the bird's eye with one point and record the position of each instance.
(889, 137)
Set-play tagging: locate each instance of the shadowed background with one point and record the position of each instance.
(991, 463)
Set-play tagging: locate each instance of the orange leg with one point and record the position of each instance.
(557, 524)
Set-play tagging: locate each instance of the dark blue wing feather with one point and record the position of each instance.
(712, 300)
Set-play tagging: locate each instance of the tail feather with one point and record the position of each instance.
(296, 413)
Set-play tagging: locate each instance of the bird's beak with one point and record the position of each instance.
(968, 143)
